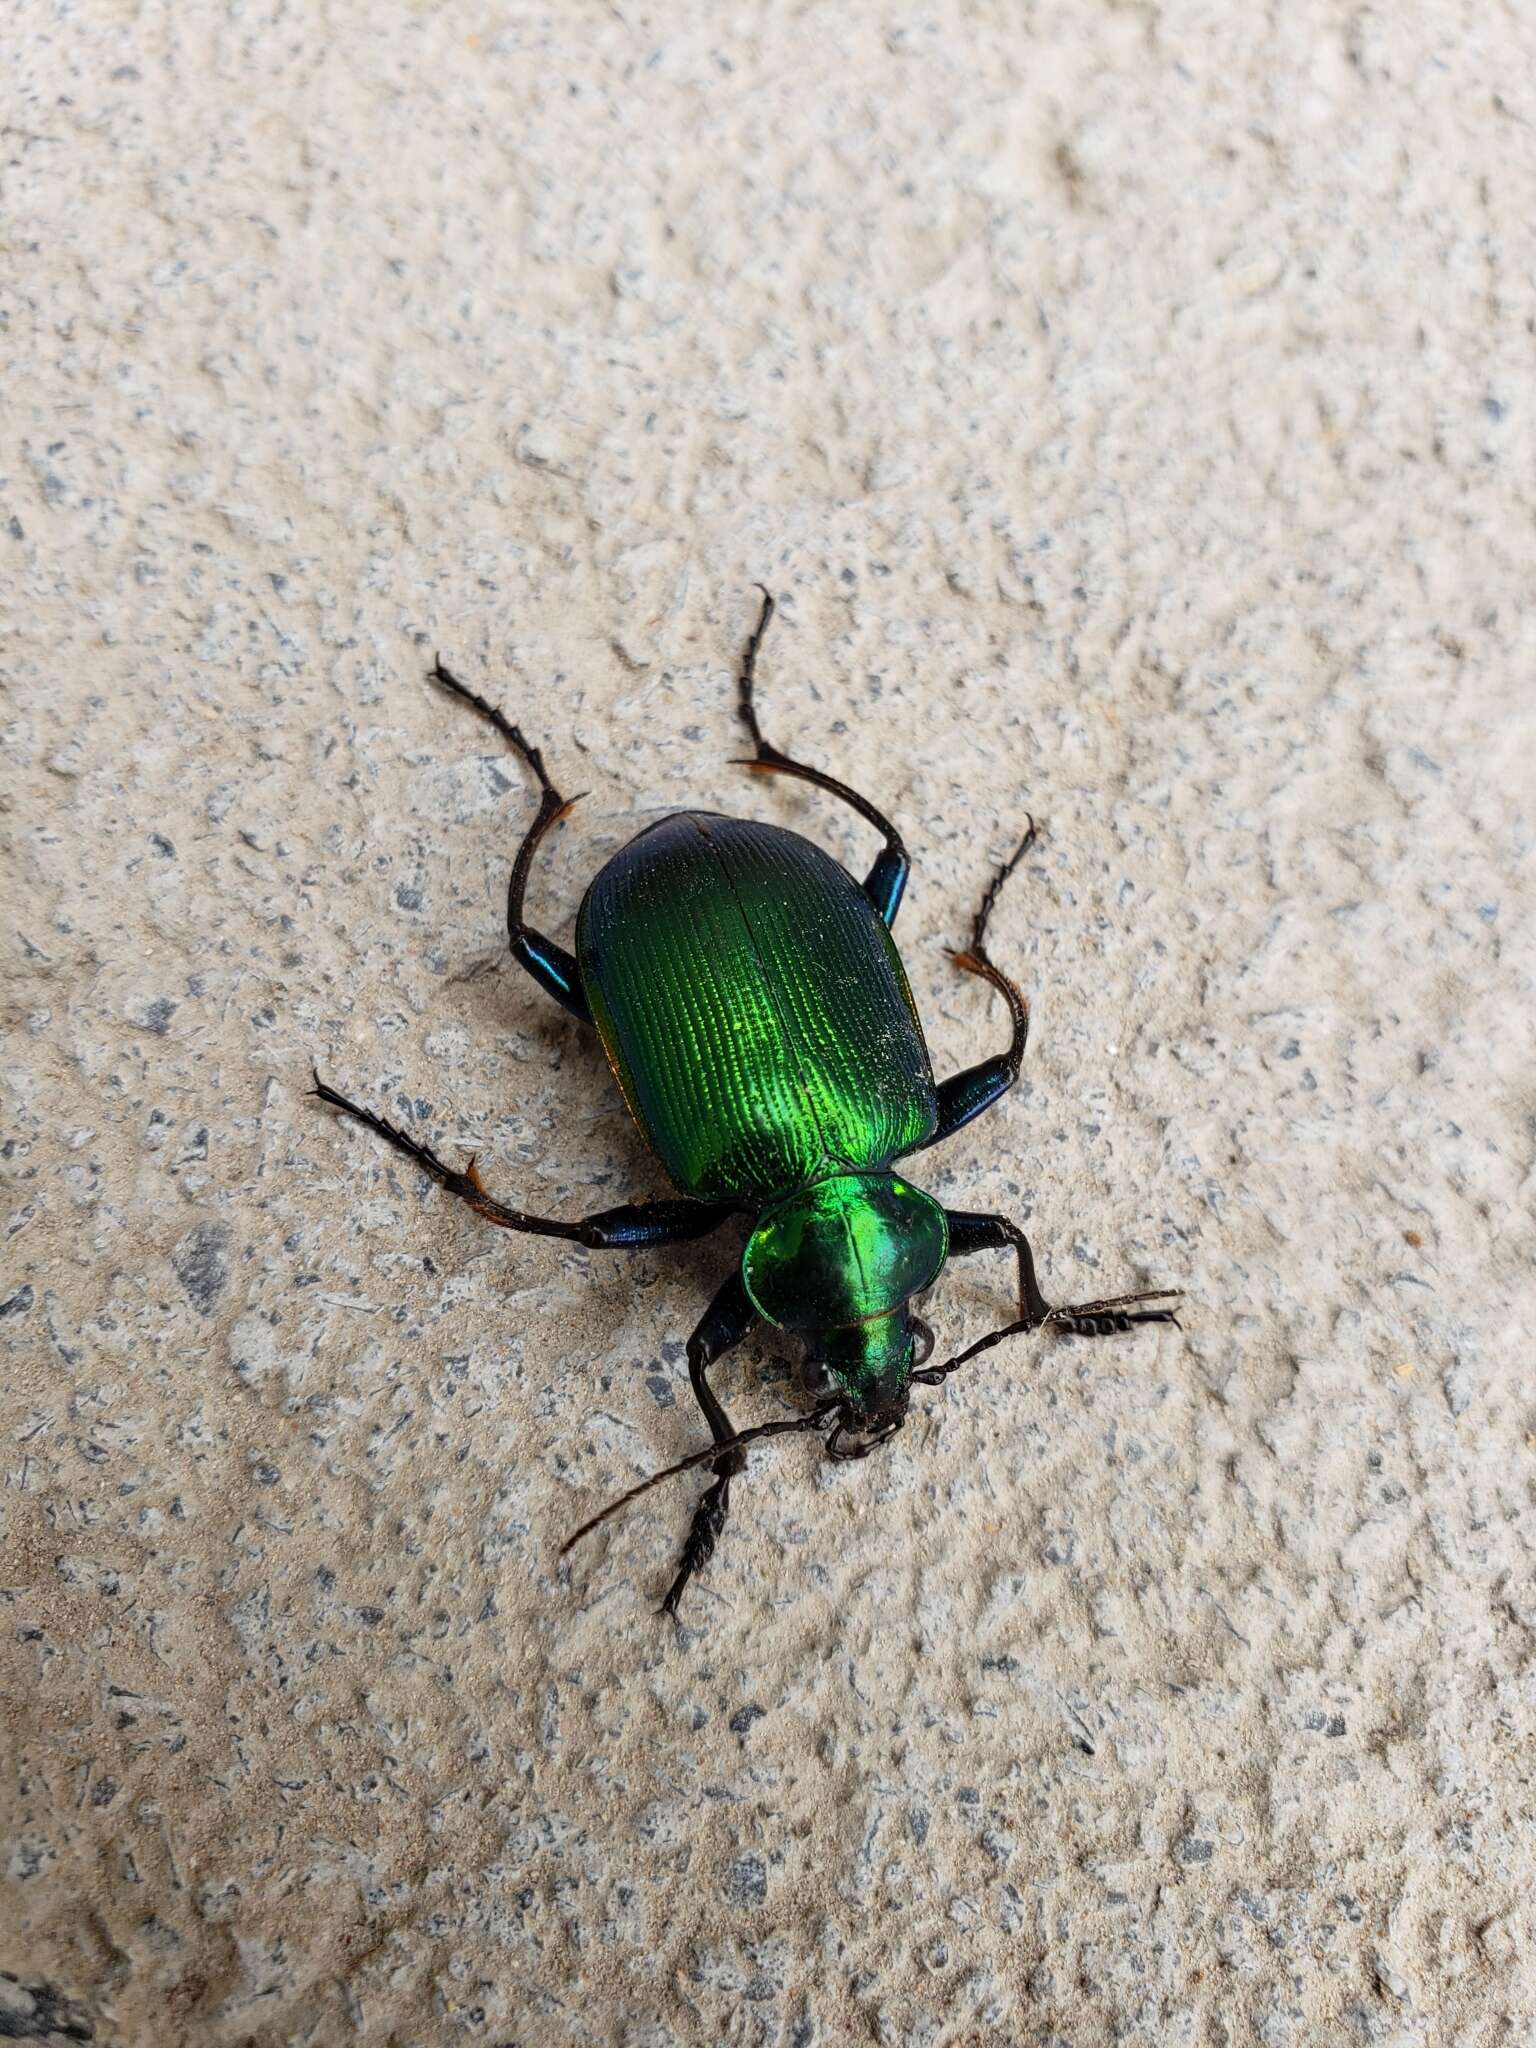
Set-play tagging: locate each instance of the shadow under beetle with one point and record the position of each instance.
(756, 1015)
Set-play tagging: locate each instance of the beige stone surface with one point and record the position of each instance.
(1132, 406)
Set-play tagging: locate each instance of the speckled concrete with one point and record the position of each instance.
(1133, 407)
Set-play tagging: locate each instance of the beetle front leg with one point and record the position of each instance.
(724, 1323)
(973, 1231)
(626, 1228)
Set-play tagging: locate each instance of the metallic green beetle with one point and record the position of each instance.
(756, 1015)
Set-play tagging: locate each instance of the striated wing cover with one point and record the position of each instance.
(753, 1007)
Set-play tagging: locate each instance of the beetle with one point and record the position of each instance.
(755, 1013)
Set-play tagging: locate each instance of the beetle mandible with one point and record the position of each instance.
(756, 1015)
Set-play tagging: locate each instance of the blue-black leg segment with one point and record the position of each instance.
(886, 881)
(724, 1323)
(972, 1231)
(966, 1094)
(627, 1228)
(551, 966)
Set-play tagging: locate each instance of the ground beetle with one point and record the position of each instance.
(756, 1015)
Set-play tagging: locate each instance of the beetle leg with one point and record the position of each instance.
(1109, 1318)
(724, 1323)
(626, 1228)
(887, 879)
(551, 966)
(972, 1231)
(966, 1094)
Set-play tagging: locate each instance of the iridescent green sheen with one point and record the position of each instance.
(871, 1362)
(754, 1009)
(846, 1250)
(836, 1261)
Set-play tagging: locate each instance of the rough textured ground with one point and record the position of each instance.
(1133, 407)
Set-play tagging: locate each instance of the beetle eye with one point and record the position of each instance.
(922, 1349)
(815, 1379)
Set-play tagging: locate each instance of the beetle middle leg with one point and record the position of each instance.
(724, 1323)
(626, 1228)
(971, 1231)
(966, 1094)
(887, 879)
(551, 966)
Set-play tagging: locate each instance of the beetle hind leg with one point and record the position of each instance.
(887, 879)
(551, 966)
(626, 1228)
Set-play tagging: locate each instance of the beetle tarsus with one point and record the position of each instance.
(1113, 1316)
(978, 945)
(1110, 1317)
(513, 734)
(704, 1533)
(465, 1183)
(1108, 1324)
(975, 959)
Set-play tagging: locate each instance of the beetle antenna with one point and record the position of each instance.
(794, 1426)
(1085, 1319)
(935, 1375)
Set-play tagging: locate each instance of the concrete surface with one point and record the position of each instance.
(1133, 407)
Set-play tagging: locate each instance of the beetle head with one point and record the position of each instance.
(837, 1263)
(870, 1365)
